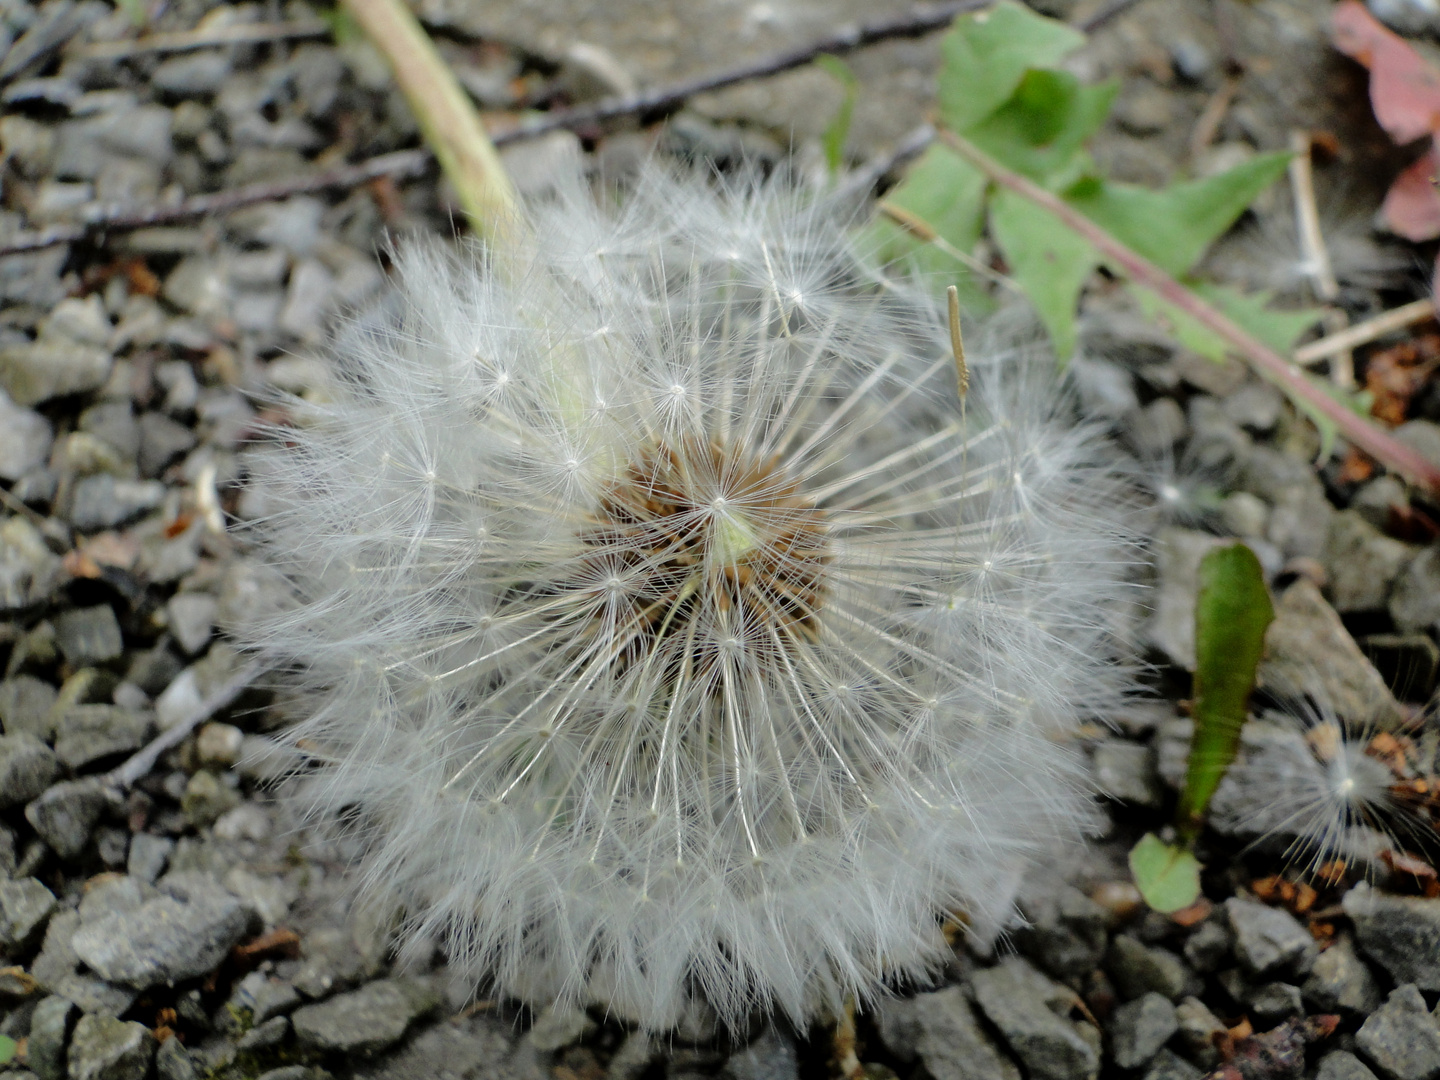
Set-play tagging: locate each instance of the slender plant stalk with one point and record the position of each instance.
(448, 121)
(1269, 363)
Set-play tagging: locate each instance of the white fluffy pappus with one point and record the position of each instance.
(1328, 791)
(667, 629)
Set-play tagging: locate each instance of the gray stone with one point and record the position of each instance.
(88, 734)
(1244, 514)
(25, 438)
(1269, 940)
(770, 1057)
(25, 703)
(1401, 1038)
(1309, 649)
(192, 619)
(1138, 969)
(103, 1048)
(1155, 429)
(1422, 436)
(1016, 999)
(1255, 406)
(89, 635)
(1199, 1029)
(264, 997)
(173, 1062)
(1066, 935)
(1300, 522)
(1361, 563)
(36, 371)
(1408, 663)
(114, 423)
(264, 1036)
(1415, 599)
(1342, 1065)
(196, 74)
(1400, 933)
(105, 502)
(1139, 1028)
(632, 1060)
(1208, 945)
(27, 766)
(558, 1027)
(28, 569)
(466, 1048)
(162, 440)
(1378, 500)
(25, 905)
(364, 1020)
(1340, 982)
(83, 147)
(307, 300)
(164, 940)
(1126, 771)
(55, 24)
(1171, 629)
(65, 815)
(148, 855)
(207, 797)
(50, 1027)
(1170, 1066)
(1272, 1002)
(941, 1029)
(93, 996)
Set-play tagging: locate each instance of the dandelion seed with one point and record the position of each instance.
(729, 690)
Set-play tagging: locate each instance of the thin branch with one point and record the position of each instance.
(188, 40)
(445, 113)
(1269, 363)
(111, 218)
(920, 20)
(1365, 332)
(142, 761)
(1315, 254)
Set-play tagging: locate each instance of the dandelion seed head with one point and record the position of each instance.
(719, 655)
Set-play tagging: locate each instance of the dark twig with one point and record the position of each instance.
(922, 19)
(187, 40)
(115, 219)
(142, 761)
(919, 20)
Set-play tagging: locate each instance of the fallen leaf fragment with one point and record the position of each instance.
(1404, 89)
(1278, 1054)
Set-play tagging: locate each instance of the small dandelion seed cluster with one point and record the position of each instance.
(667, 628)
(1332, 793)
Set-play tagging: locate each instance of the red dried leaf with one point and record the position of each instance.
(1404, 90)
(1412, 206)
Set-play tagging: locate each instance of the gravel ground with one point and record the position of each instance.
(187, 930)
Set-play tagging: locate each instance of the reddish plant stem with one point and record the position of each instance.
(1269, 363)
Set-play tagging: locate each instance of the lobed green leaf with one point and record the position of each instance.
(986, 55)
(1050, 262)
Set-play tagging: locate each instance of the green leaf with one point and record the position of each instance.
(947, 193)
(1167, 876)
(1232, 612)
(987, 54)
(343, 26)
(1173, 227)
(1047, 260)
(1041, 129)
(8, 1046)
(838, 130)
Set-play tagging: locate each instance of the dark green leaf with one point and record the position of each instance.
(1167, 876)
(1173, 227)
(987, 54)
(838, 130)
(1047, 260)
(1041, 129)
(1232, 612)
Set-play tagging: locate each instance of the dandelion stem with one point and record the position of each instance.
(1265, 360)
(449, 122)
(957, 343)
